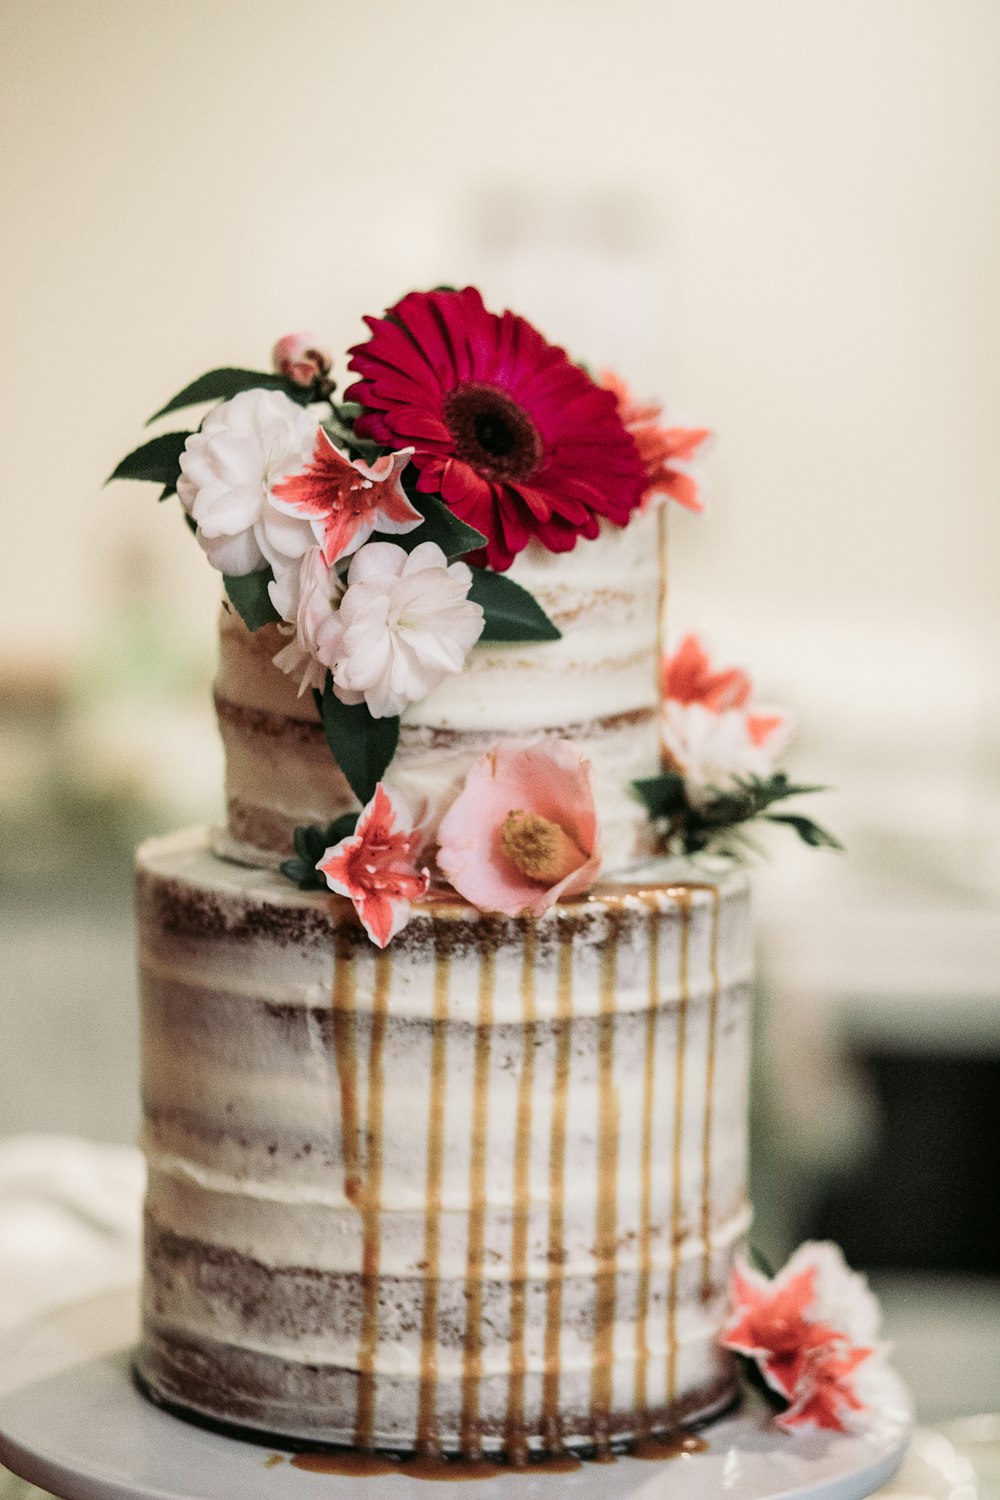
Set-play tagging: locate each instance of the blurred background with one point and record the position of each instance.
(783, 217)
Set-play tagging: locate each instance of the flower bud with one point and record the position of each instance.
(300, 357)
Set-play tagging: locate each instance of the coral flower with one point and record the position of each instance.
(688, 678)
(375, 867)
(710, 732)
(347, 501)
(808, 1329)
(523, 831)
(518, 441)
(667, 453)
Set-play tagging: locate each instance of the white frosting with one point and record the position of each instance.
(242, 1073)
(597, 685)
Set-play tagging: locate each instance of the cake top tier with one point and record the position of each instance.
(442, 648)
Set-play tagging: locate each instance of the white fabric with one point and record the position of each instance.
(70, 1213)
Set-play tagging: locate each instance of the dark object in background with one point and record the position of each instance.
(928, 1197)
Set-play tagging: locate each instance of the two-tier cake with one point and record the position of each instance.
(447, 1146)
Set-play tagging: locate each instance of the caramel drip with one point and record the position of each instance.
(663, 1448)
(427, 1442)
(661, 607)
(371, 1208)
(473, 1343)
(342, 1005)
(522, 1202)
(683, 900)
(557, 1190)
(646, 1168)
(706, 1139)
(606, 1229)
(347, 1462)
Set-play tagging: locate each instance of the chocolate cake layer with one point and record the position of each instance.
(479, 1190)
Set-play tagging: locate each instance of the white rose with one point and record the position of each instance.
(407, 624)
(228, 469)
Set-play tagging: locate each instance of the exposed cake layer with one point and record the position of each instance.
(597, 686)
(480, 1190)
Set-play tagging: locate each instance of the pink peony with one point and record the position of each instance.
(523, 831)
(667, 453)
(808, 1329)
(375, 866)
(302, 358)
(345, 501)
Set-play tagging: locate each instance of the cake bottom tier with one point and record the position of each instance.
(477, 1193)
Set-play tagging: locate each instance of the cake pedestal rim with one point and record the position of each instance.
(73, 1422)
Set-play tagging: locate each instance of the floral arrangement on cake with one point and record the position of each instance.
(376, 533)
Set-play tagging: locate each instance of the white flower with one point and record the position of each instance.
(406, 625)
(318, 628)
(714, 750)
(842, 1298)
(228, 469)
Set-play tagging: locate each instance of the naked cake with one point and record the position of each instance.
(445, 1033)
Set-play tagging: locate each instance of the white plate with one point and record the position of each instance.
(72, 1421)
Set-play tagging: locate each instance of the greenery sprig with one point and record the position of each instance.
(717, 819)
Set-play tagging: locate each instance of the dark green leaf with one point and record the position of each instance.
(778, 787)
(362, 746)
(158, 460)
(223, 385)
(809, 832)
(348, 412)
(311, 843)
(453, 536)
(512, 614)
(663, 795)
(249, 597)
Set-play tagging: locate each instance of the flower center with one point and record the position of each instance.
(539, 848)
(492, 433)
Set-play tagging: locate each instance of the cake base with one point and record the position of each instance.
(73, 1422)
(668, 1434)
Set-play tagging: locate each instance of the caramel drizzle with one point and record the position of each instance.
(646, 1165)
(473, 1343)
(606, 1229)
(661, 606)
(522, 1200)
(683, 900)
(371, 1208)
(427, 1442)
(706, 1139)
(557, 1190)
(342, 1005)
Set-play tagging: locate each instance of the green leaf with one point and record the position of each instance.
(440, 525)
(158, 460)
(512, 614)
(362, 745)
(222, 385)
(663, 795)
(249, 597)
(809, 832)
(311, 843)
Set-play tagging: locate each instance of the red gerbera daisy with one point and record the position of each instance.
(517, 440)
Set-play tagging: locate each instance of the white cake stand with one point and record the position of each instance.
(72, 1422)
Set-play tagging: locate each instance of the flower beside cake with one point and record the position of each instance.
(446, 1030)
